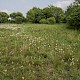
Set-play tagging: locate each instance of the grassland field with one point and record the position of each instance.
(39, 52)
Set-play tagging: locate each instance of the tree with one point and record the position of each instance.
(46, 12)
(34, 15)
(3, 17)
(15, 16)
(73, 15)
(58, 14)
(52, 11)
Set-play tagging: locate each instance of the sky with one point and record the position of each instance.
(24, 5)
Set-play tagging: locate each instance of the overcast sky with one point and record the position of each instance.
(24, 5)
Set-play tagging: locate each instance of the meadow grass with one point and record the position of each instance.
(39, 52)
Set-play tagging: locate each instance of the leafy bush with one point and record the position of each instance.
(18, 20)
(51, 20)
(43, 21)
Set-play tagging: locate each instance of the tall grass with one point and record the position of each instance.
(39, 52)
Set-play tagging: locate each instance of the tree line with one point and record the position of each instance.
(47, 15)
(50, 14)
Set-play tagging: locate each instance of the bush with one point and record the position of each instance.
(43, 21)
(51, 20)
(18, 20)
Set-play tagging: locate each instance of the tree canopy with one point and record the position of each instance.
(50, 14)
(17, 17)
(34, 15)
(15, 14)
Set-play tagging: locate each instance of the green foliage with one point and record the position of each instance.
(43, 21)
(25, 20)
(34, 15)
(57, 13)
(51, 20)
(15, 16)
(74, 19)
(73, 15)
(52, 11)
(46, 12)
(3, 17)
(18, 20)
(4, 14)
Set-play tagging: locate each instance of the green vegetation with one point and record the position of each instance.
(73, 15)
(35, 14)
(43, 21)
(3, 17)
(47, 15)
(39, 52)
(51, 20)
(19, 20)
(17, 17)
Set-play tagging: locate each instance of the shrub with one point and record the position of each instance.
(43, 21)
(18, 20)
(51, 20)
